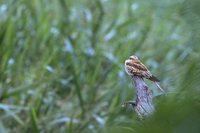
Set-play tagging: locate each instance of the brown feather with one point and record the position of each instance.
(134, 66)
(138, 66)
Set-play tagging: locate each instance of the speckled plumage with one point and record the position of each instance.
(134, 67)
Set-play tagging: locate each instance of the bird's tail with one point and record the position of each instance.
(159, 86)
(154, 78)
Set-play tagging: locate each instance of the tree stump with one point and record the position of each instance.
(143, 104)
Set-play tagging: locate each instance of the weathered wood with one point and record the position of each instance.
(143, 104)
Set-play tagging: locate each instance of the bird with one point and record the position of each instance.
(134, 67)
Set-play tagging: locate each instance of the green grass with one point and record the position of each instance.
(61, 65)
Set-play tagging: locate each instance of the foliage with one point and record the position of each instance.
(61, 64)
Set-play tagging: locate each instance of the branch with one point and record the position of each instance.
(143, 104)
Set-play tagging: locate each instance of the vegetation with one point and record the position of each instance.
(61, 65)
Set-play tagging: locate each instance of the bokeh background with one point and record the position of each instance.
(61, 65)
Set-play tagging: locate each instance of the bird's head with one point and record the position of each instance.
(128, 64)
(133, 57)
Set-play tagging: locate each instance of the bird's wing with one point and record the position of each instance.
(137, 64)
(146, 71)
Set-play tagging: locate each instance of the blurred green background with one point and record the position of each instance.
(61, 65)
